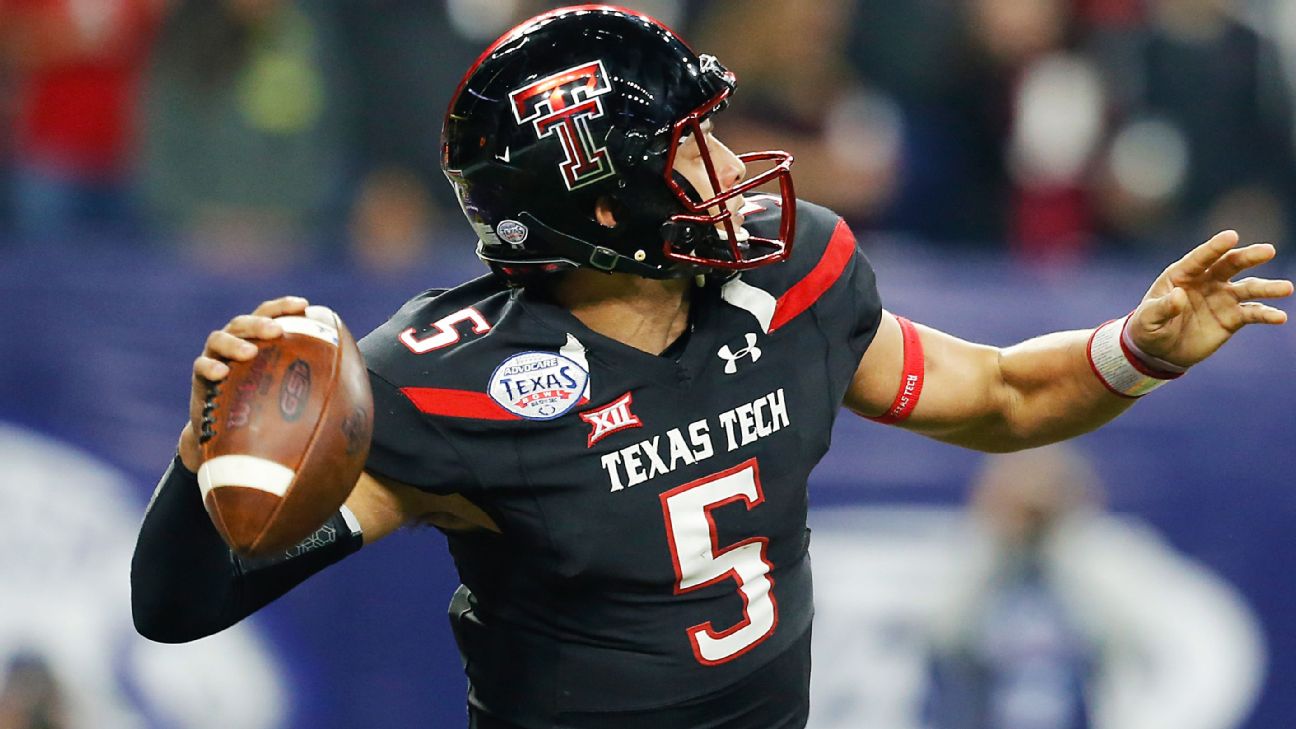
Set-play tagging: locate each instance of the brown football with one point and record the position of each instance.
(285, 435)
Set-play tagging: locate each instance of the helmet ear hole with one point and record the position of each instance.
(607, 211)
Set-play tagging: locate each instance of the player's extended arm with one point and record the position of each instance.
(1045, 389)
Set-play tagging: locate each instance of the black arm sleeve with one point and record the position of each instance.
(187, 584)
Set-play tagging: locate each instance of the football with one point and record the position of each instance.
(286, 435)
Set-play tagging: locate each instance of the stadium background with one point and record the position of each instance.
(1012, 167)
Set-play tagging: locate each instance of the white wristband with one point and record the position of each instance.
(1115, 368)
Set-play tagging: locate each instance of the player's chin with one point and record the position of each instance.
(741, 234)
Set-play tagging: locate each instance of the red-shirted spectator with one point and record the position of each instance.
(77, 63)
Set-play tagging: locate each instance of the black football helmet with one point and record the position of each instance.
(590, 103)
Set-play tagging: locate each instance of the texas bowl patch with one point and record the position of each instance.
(512, 232)
(538, 385)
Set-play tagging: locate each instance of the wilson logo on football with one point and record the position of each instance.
(251, 387)
(538, 385)
(563, 104)
(610, 418)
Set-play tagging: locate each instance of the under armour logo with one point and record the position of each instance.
(731, 357)
(610, 418)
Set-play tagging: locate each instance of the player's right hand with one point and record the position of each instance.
(233, 343)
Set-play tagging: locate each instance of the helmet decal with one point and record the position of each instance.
(512, 232)
(564, 103)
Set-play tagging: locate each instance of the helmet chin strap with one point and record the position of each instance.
(599, 257)
(687, 186)
(688, 236)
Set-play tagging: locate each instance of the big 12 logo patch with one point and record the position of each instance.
(563, 104)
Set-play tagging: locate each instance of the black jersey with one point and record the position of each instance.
(653, 508)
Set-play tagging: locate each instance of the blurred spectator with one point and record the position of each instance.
(1042, 126)
(1028, 115)
(1049, 126)
(1212, 109)
(1062, 618)
(797, 92)
(403, 60)
(30, 697)
(1002, 120)
(393, 222)
(76, 65)
(244, 129)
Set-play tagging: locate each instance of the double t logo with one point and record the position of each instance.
(563, 104)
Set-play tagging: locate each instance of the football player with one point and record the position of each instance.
(615, 426)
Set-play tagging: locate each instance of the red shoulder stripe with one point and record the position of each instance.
(807, 291)
(456, 403)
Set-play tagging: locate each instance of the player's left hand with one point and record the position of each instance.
(1195, 306)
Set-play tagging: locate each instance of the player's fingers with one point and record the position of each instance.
(321, 314)
(1261, 288)
(1201, 258)
(224, 345)
(281, 306)
(254, 326)
(1240, 259)
(212, 370)
(1254, 313)
(1157, 312)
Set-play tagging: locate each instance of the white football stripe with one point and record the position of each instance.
(759, 302)
(247, 471)
(309, 327)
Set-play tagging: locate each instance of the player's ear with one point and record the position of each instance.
(605, 211)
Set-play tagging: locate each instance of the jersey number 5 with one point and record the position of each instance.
(445, 334)
(699, 560)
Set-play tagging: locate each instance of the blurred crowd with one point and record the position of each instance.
(1049, 128)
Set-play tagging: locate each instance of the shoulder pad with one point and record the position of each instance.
(815, 228)
(438, 334)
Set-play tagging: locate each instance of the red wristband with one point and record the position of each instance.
(911, 382)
